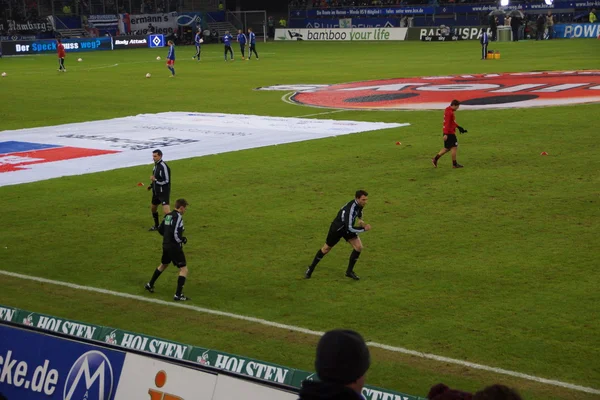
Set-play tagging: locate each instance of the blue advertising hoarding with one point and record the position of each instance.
(44, 46)
(576, 31)
(318, 23)
(36, 366)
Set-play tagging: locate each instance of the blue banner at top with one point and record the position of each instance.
(366, 12)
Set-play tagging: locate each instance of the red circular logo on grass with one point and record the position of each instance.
(484, 91)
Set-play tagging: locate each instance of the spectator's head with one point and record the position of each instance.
(497, 392)
(343, 358)
(443, 392)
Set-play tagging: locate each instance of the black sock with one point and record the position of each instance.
(155, 216)
(437, 157)
(155, 276)
(180, 283)
(454, 162)
(317, 258)
(353, 258)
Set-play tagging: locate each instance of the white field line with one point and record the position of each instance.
(306, 331)
(323, 113)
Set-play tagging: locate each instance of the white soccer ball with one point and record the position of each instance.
(4, 74)
(148, 75)
(201, 40)
(80, 59)
(158, 58)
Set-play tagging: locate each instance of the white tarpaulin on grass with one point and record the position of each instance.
(28, 155)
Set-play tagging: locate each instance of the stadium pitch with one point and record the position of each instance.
(493, 264)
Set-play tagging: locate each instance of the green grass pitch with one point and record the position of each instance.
(495, 264)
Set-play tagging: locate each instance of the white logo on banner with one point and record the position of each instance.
(91, 367)
(87, 147)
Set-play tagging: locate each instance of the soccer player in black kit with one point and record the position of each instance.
(173, 240)
(160, 184)
(343, 227)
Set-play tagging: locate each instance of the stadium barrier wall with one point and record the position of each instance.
(116, 339)
(342, 34)
(43, 365)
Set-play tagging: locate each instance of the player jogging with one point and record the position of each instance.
(171, 58)
(343, 227)
(252, 39)
(61, 56)
(450, 141)
(198, 41)
(241, 38)
(227, 42)
(172, 249)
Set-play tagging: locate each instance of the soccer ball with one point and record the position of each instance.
(201, 40)
(80, 59)
(3, 74)
(148, 75)
(158, 58)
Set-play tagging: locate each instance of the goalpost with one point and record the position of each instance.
(256, 19)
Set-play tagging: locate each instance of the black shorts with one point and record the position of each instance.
(450, 142)
(335, 234)
(173, 254)
(160, 198)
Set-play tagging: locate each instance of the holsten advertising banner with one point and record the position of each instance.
(54, 324)
(150, 344)
(342, 35)
(101, 374)
(8, 314)
(242, 365)
(43, 46)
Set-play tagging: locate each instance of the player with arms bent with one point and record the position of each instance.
(173, 240)
(343, 227)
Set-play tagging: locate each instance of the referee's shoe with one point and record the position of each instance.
(308, 273)
(181, 297)
(351, 274)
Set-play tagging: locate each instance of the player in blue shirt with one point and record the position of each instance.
(241, 38)
(198, 40)
(252, 39)
(171, 58)
(227, 41)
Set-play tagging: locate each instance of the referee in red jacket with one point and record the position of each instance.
(450, 141)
